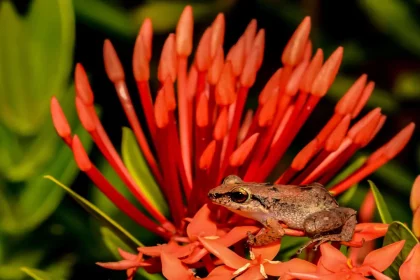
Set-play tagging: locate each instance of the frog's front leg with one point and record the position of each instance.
(324, 224)
(272, 232)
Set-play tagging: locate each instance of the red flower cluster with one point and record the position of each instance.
(198, 135)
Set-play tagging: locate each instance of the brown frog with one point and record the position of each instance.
(309, 208)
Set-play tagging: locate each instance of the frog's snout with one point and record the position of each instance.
(211, 195)
(214, 195)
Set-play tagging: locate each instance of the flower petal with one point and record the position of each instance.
(378, 275)
(294, 265)
(127, 255)
(201, 224)
(353, 276)
(236, 234)
(381, 258)
(153, 251)
(221, 272)
(228, 257)
(332, 259)
(303, 276)
(415, 194)
(195, 256)
(410, 268)
(251, 274)
(267, 252)
(416, 222)
(173, 269)
(120, 265)
(369, 231)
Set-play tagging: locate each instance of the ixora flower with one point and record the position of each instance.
(414, 204)
(199, 134)
(410, 268)
(334, 265)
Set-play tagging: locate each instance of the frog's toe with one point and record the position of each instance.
(304, 247)
(316, 246)
(251, 239)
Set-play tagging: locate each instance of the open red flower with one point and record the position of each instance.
(259, 266)
(198, 132)
(334, 265)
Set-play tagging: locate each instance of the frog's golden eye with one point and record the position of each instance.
(239, 195)
(231, 180)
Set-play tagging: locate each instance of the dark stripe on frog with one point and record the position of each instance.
(261, 200)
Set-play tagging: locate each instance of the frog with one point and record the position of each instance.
(309, 208)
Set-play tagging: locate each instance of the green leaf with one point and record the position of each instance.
(113, 242)
(137, 166)
(397, 19)
(39, 198)
(11, 268)
(406, 86)
(380, 204)
(107, 16)
(345, 198)
(397, 177)
(37, 55)
(398, 231)
(38, 274)
(101, 216)
(165, 14)
(103, 203)
(62, 269)
(398, 207)
(289, 246)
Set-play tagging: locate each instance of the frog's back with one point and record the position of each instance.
(291, 204)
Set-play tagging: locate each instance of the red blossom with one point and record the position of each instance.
(199, 135)
(334, 265)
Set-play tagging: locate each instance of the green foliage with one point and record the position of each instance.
(380, 204)
(407, 86)
(125, 23)
(113, 242)
(397, 176)
(137, 165)
(59, 270)
(10, 268)
(398, 231)
(38, 274)
(101, 216)
(403, 27)
(39, 67)
(289, 246)
(36, 58)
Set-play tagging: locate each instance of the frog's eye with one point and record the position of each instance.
(239, 195)
(231, 180)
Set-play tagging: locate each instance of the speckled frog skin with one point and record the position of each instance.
(309, 208)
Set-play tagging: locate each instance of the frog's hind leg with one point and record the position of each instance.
(323, 223)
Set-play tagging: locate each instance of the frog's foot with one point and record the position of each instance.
(251, 239)
(320, 240)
